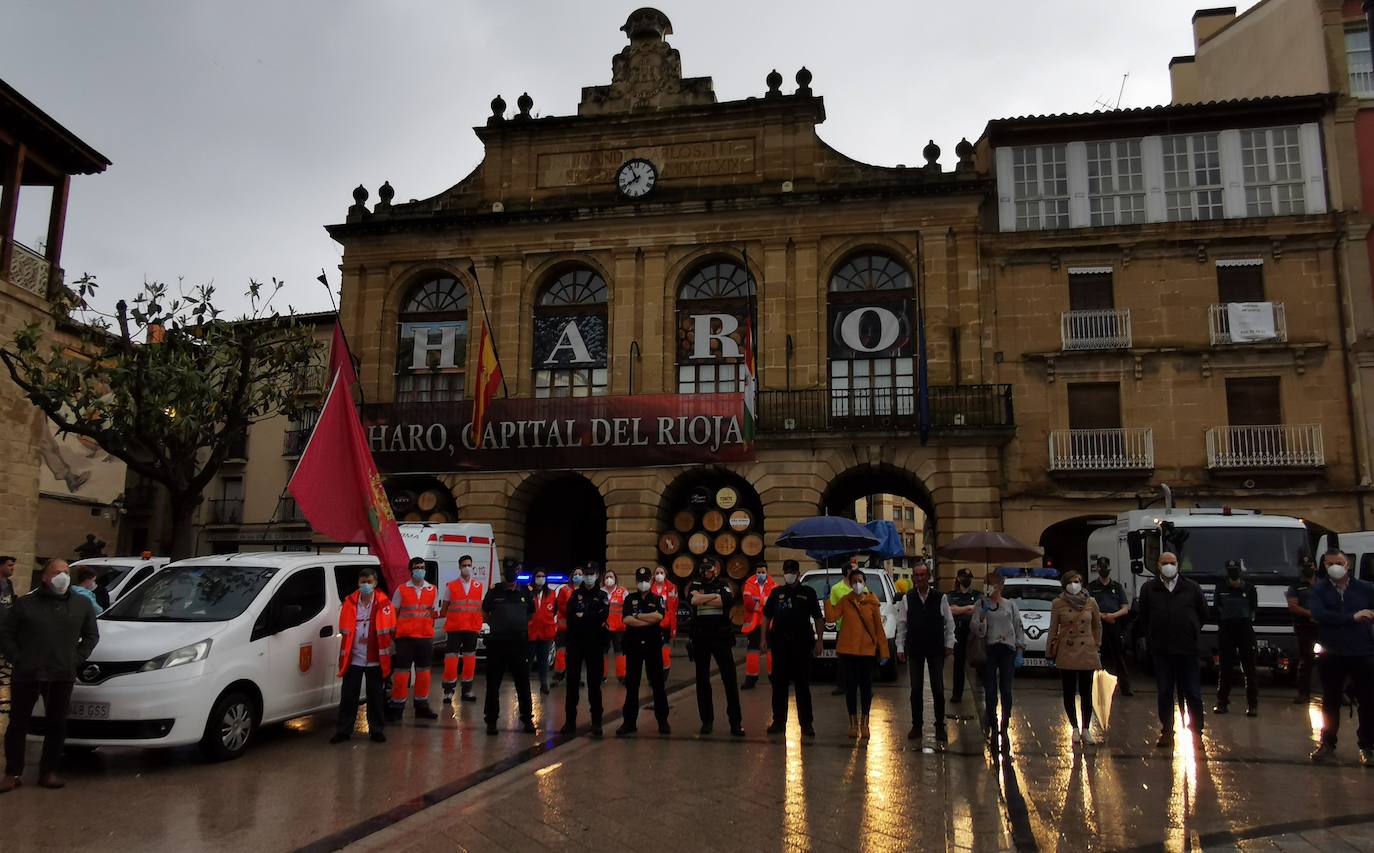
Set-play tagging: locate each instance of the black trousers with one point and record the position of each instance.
(353, 679)
(792, 667)
(1335, 670)
(1078, 684)
(719, 647)
(1179, 677)
(858, 682)
(57, 696)
(508, 655)
(960, 658)
(1236, 643)
(1114, 653)
(932, 659)
(592, 656)
(644, 652)
(1306, 634)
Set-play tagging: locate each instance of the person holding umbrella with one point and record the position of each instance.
(997, 622)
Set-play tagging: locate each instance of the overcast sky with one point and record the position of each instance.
(238, 128)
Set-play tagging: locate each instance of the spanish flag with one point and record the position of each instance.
(488, 380)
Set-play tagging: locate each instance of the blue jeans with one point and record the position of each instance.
(998, 672)
(1180, 674)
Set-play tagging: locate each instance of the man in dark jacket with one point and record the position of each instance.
(1171, 610)
(48, 635)
(1236, 604)
(925, 637)
(1343, 608)
(507, 610)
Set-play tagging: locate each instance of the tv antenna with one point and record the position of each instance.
(1119, 92)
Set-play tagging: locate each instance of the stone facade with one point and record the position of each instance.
(19, 439)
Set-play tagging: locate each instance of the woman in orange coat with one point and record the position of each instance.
(861, 638)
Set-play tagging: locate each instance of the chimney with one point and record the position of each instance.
(1183, 82)
(1206, 22)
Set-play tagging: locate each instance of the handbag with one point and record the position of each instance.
(977, 652)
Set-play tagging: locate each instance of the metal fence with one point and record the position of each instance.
(1097, 329)
(1102, 449)
(1276, 446)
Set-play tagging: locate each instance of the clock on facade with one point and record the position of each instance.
(636, 178)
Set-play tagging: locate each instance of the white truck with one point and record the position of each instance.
(441, 546)
(1271, 547)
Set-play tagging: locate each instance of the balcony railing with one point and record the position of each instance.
(1095, 330)
(1102, 450)
(30, 270)
(1272, 325)
(293, 442)
(1276, 446)
(288, 512)
(226, 511)
(970, 408)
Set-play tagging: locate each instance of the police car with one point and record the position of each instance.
(1034, 596)
(880, 584)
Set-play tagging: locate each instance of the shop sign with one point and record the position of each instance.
(567, 432)
(871, 330)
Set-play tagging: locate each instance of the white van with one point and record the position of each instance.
(880, 584)
(1359, 551)
(211, 648)
(441, 546)
(118, 575)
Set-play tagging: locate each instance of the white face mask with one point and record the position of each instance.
(538, 581)
(790, 577)
(860, 587)
(60, 582)
(1168, 570)
(465, 571)
(643, 586)
(1074, 588)
(989, 590)
(589, 580)
(610, 583)
(659, 577)
(1335, 571)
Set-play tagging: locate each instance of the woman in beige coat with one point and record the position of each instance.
(1074, 639)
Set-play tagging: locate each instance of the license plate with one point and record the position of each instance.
(89, 711)
(1036, 662)
(827, 653)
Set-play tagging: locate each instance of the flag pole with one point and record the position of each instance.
(338, 322)
(922, 369)
(486, 323)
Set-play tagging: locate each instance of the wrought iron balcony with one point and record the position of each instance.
(1102, 450)
(1265, 446)
(293, 442)
(226, 511)
(953, 409)
(1219, 321)
(288, 512)
(1102, 329)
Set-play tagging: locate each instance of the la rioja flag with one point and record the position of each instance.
(749, 381)
(337, 486)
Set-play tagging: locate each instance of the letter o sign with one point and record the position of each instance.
(870, 329)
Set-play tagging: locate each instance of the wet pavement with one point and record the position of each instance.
(449, 787)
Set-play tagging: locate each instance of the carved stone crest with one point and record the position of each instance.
(646, 74)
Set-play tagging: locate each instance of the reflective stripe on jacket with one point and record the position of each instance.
(415, 611)
(668, 592)
(383, 628)
(616, 621)
(755, 596)
(464, 608)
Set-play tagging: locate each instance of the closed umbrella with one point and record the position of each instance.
(827, 533)
(988, 547)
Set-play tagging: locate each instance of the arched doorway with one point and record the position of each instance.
(711, 512)
(565, 523)
(1065, 543)
(885, 492)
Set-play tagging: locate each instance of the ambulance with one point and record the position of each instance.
(441, 546)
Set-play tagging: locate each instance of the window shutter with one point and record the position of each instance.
(1253, 402)
(1090, 292)
(1240, 284)
(1094, 405)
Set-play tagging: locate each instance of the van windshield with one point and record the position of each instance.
(1266, 551)
(821, 582)
(109, 574)
(192, 594)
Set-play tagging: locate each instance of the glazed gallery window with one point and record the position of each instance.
(1116, 182)
(570, 344)
(1271, 169)
(712, 305)
(1358, 64)
(1040, 178)
(872, 338)
(432, 345)
(1192, 177)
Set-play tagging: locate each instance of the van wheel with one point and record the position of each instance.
(230, 727)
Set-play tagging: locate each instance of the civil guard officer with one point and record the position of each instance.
(643, 612)
(963, 599)
(793, 625)
(586, 636)
(713, 638)
(508, 610)
(1112, 603)
(1236, 604)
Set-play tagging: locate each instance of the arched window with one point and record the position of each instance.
(712, 305)
(432, 346)
(872, 338)
(570, 335)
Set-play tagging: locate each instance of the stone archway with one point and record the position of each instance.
(562, 521)
(1065, 542)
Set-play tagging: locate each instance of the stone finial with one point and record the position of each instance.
(932, 154)
(498, 110)
(358, 210)
(804, 82)
(360, 195)
(525, 103)
(385, 194)
(774, 81)
(964, 151)
(647, 23)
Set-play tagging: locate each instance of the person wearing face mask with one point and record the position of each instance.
(1114, 607)
(713, 638)
(585, 628)
(1236, 604)
(643, 613)
(962, 601)
(416, 609)
(861, 638)
(367, 628)
(1074, 639)
(1299, 597)
(560, 635)
(1343, 607)
(1172, 610)
(462, 615)
(997, 621)
(666, 590)
(793, 626)
(615, 597)
(46, 635)
(508, 610)
(543, 627)
(756, 592)
(925, 637)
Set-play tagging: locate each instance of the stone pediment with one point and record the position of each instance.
(647, 74)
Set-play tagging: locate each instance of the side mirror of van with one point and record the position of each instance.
(1137, 567)
(1135, 544)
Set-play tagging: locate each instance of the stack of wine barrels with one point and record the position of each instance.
(422, 505)
(714, 523)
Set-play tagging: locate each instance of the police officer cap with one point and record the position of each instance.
(790, 566)
(510, 563)
(1233, 564)
(593, 566)
(644, 573)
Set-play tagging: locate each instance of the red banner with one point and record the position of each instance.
(566, 432)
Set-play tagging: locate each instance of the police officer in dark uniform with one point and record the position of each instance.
(793, 625)
(507, 610)
(1110, 597)
(1235, 606)
(643, 611)
(713, 637)
(962, 600)
(587, 637)
(1299, 597)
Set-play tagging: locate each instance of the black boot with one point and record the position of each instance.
(749, 682)
(423, 712)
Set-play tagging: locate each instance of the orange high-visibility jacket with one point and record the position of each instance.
(464, 608)
(616, 621)
(755, 596)
(668, 592)
(561, 606)
(545, 621)
(416, 611)
(383, 628)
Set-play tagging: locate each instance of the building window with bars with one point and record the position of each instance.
(1116, 182)
(570, 342)
(1192, 177)
(1040, 179)
(872, 338)
(431, 351)
(713, 304)
(1358, 63)
(1271, 167)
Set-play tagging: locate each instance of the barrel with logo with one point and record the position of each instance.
(737, 567)
(699, 543)
(669, 543)
(684, 567)
(727, 498)
(740, 520)
(751, 544)
(725, 544)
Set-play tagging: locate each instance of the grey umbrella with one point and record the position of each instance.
(988, 547)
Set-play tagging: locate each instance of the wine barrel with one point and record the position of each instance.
(712, 520)
(684, 566)
(726, 497)
(684, 521)
(437, 518)
(737, 567)
(413, 516)
(428, 500)
(751, 544)
(741, 520)
(670, 542)
(402, 503)
(726, 544)
(737, 615)
(698, 543)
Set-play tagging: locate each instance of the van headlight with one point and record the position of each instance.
(185, 654)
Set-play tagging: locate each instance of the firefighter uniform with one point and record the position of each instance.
(416, 609)
(1236, 603)
(791, 614)
(543, 628)
(462, 615)
(667, 590)
(586, 633)
(713, 639)
(643, 651)
(370, 627)
(756, 593)
(508, 610)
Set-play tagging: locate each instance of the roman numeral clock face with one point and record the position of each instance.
(636, 178)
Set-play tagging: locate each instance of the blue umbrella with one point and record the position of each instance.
(889, 544)
(827, 533)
